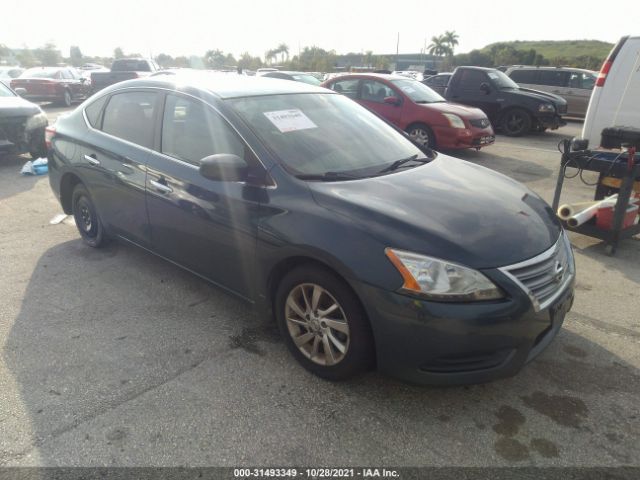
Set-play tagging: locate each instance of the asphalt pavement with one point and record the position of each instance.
(116, 357)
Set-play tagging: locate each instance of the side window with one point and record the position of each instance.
(582, 80)
(192, 131)
(554, 78)
(94, 110)
(58, 75)
(471, 79)
(374, 91)
(524, 76)
(348, 88)
(130, 116)
(439, 81)
(66, 74)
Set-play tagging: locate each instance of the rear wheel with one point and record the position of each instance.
(323, 323)
(515, 122)
(87, 219)
(422, 135)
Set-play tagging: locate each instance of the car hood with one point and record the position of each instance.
(463, 111)
(17, 106)
(541, 96)
(448, 209)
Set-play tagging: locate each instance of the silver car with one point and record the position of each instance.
(573, 84)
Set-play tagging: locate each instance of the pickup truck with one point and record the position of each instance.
(512, 110)
(121, 70)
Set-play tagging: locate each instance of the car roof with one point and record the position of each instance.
(548, 67)
(224, 85)
(384, 76)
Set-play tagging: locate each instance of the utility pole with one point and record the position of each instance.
(397, 50)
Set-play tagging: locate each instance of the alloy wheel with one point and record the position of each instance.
(420, 136)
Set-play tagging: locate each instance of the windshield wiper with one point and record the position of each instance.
(398, 163)
(326, 176)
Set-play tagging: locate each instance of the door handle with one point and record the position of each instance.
(92, 159)
(161, 187)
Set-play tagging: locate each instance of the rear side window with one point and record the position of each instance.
(554, 78)
(130, 116)
(191, 131)
(438, 81)
(348, 88)
(582, 80)
(524, 76)
(94, 110)
(130, 65)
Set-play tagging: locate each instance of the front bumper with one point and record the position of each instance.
(438, 343)
(551, 121)
(448, 138)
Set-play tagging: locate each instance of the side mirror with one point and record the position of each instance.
(223, 167)
(83, 80)
(21, 91)
(484, 87)
(395, 101)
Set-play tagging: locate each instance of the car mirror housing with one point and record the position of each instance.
(392, 101)
(224, 167)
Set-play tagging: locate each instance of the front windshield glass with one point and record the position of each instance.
(310, 79)
(417, 91)
(39, 73)
(501, 81)
(5, 91)
(313, 134)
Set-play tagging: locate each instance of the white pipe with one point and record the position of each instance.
(568, 209)
(584, 216)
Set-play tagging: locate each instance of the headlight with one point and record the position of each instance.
(441, 280)
(454, 120)
(38, 120)
(546, 107)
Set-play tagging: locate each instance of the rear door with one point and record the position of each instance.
(116, 151)
(557, 82)
(580, 87)
(207, 226)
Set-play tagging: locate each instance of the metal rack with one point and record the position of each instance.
(608, 165)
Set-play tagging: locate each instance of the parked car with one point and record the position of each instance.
(410, 74)
(92, 66)
(8, 73)
(573, 84)
(413, 107)
(512, 109)
(438, 83)
(615, 101)
(367, 249)
(123, 69)
(295, 76)
(22, 125)
(61, 85)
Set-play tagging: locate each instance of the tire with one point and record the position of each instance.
(87, 219)
(515, 122)
(66, 99)
(422, 135)
(344, 325)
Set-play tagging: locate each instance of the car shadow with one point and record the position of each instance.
(116, 355)
(12, 181)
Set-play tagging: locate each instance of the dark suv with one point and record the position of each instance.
(513, 110)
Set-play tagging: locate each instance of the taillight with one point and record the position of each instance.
(49, 133)
(602, 76)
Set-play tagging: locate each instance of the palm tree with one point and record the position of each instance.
(283, 49)
(269, 55)
(451, 39)
(439, 47)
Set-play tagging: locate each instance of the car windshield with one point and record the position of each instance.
(320, 134)
(310, 79)
(417, 91)
(501, 81)
(5, 91)
(39, 73)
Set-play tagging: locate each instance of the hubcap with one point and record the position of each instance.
(514, 122)
(317, 324)
(84, 218)
(420, 136)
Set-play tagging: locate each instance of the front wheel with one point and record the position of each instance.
(516, 122)
(323, 323)
(87, 219)
(66, 98)
(422, 135)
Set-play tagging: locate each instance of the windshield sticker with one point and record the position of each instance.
(290, 120)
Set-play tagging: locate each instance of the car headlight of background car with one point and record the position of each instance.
(546, 107)
(37, 121)
(454, 120)
(441, 280)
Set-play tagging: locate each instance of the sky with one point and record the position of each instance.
(189, 27)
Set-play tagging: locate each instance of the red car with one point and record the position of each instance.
(62, 85)
(412, 106)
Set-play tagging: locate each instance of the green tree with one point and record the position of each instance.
(48, 55)
(165, 60)
(283, 50)
(439, 47)
(215, 59)
(451, 39)
(118, 53)
(75, 55)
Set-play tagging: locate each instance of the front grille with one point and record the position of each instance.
(12, 128)
(480, 122)
(562, 109)
(545, 276)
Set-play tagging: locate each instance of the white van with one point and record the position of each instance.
(615, 101)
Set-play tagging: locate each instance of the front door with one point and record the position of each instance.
(207, 226)
(372, 95)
